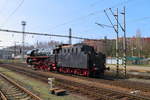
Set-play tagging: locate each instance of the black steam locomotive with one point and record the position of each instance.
(79, 59)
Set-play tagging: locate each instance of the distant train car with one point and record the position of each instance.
(79, 59)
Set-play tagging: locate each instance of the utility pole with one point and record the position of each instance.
(124, 39)
(70, 36)
(116, 29)
(23, 38)
(117, 39)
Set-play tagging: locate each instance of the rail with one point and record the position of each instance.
(30, 94)
(91, 91)
(2, 96)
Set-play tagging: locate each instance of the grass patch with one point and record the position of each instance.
(142, 65)
(10, 61)
(37, 87)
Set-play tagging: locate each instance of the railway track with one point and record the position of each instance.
(94, 92)
(109, 74)
(10, 90)
(145, 87)
(2, 96)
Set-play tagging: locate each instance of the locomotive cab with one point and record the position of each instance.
(96, 61)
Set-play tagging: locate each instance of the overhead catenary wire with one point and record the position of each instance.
(95, 3)
(116, 19)
(139, 19)
(110, 21)
(3, 6)
(90, 14)
(13, 12)
(43, 34)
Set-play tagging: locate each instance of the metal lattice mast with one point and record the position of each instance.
(23, 38)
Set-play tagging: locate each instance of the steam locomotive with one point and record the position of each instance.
(78, 59)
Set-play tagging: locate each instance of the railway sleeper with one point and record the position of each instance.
(17, 96)
(27, 98)
(12, 92)
(9, 88)
(111, 94)
(122, 97)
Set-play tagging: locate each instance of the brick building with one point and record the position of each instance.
(106, 46)
(136, 46)
(99, 45)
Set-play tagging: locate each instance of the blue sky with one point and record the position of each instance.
(57, 16)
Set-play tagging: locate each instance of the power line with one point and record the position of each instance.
(14, 11)
(79, 18)
(123, 27)
(90, 14)
(140, 19)
(3, 6)
(116, 19)
(95, 3)
(43, 34)
(116, 29)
